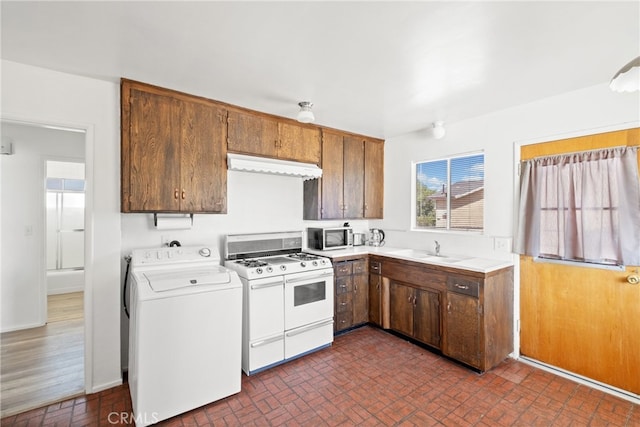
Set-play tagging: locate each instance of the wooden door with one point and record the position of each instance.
(360, 298)
(332, 171)
(203, 168)
(154, 153)
(375, 287)
(427, 317)
(299, 143)
(353, 177)
(253, 134)
(583, 320)
(373, 179)
(401, 308)
(462, 326)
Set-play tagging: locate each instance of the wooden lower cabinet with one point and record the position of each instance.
(467, 315)
(415, 313)
(351, 293)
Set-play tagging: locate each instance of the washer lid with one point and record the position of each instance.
(161, 281)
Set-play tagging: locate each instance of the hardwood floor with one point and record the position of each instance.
(45, 364)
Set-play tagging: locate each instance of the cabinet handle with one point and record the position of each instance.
(449, 307)
(343, 303)
(175, 194)
(183, 194)
(461, 286)
(414, 300)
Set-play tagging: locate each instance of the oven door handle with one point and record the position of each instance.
(309, 328)
(267, 341)
(267, 285)
(305, 279)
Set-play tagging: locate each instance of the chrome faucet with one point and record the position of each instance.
(437, 248)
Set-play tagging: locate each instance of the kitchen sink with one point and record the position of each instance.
(427, 256)
(412, 253)
(423, 255)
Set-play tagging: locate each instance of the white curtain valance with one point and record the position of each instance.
(581, 206)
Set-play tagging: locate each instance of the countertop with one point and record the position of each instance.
(481, 265)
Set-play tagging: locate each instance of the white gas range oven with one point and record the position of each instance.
(287, 297)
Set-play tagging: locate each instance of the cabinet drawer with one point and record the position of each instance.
(344, 320)
(359, 266)
(344, 302)
(343, 268)
(463, 286)
(344, 284)
(375, 267)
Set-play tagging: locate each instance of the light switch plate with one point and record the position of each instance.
(502, 244)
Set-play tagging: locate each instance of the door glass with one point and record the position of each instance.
(306, 294)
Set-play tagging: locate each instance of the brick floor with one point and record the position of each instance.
(372, 378)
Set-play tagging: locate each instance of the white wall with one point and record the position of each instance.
(38, 95)
(23, 219)
(585, 111)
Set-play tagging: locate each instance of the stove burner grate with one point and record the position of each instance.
(250, 263)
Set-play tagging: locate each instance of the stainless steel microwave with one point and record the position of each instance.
(326, 238)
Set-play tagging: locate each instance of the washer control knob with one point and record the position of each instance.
(205, 252)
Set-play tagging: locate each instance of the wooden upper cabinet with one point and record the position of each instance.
(299, 143)
(353, 177)
(352, 180)
(262, 135)
(253, 134)
(173, 151)
(373, 179)
(332, 172)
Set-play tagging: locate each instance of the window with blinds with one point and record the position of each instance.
(450, 193)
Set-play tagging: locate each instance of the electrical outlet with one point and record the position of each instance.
(502, 244)
(165, 240)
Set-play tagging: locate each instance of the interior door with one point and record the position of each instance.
(583, 320)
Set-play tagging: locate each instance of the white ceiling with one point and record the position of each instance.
(377, 68)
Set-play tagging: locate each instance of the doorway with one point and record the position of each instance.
(42, 336)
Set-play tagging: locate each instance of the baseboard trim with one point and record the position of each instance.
(105, 386)
(623, 394)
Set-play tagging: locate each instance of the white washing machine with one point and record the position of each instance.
(185, 333)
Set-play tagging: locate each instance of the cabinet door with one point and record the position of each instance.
(154, 153)
(375, 290)
(401, 307)
(360, 299)
(332, 171)
(462, 323)
(203, 168)
(353, 177)
(427, 317)
(252, 134)
(299, 143)
(373, 179)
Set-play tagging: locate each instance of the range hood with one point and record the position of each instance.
(241, 162)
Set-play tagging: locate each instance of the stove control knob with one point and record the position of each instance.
(315, 263)
(283, 267)
(269, 269)
(259, 270)
(303, 264)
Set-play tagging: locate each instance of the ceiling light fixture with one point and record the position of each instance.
(628, 78)
(438, 130)
(305, 115)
